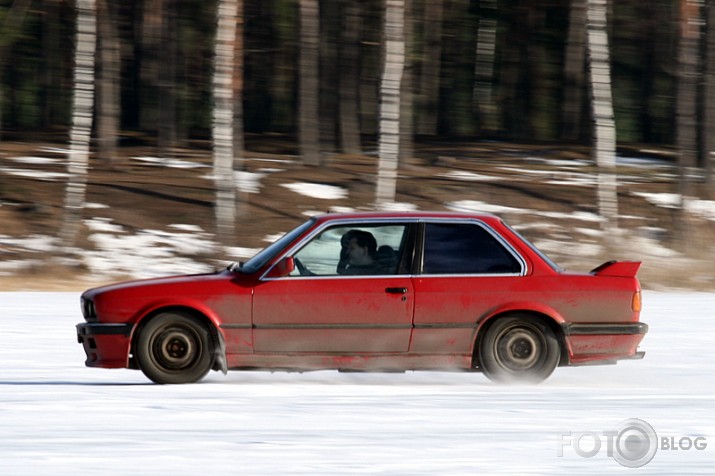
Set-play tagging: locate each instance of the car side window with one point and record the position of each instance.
(465, 248)
(353, 250)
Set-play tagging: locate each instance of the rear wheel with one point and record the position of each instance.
(174, 348)
(518, 349)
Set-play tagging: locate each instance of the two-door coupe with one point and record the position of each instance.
(373, 292)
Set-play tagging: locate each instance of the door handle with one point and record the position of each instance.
(396, 290)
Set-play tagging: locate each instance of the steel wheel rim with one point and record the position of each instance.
(519, 349)
(176, 348)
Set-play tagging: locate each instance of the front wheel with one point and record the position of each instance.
(174, 348)
(518, 349)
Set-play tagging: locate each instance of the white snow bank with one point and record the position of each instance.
(58, 417)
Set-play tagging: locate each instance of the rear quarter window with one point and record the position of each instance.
(465, 248)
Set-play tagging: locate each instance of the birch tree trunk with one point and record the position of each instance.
(602, 109)
(389, 148)
(82, 110)
(223, 153)
(309, 120)
(108, 78)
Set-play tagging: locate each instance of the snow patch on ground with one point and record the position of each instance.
(248, 182)
(35, 174)
(398, 207)
(170, 162)
(703, 208)
(147, 253)
(317, 190)
(466, 176)
(37, 160)
(477, 206)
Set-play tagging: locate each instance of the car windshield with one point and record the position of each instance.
(265, 255)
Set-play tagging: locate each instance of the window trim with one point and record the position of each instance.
(419, 260)
(292, 250)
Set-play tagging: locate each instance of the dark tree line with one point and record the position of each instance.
(332, 72)
(159, 54)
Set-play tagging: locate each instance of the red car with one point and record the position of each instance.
(373, 292)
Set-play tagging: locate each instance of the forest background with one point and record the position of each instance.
(387, 88)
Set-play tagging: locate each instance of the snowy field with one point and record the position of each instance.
(58, 417)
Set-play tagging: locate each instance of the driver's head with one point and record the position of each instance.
(361, 247)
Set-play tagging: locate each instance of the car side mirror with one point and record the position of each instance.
(283, 268)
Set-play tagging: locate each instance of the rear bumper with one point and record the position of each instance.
(603, 343)
(106, 345)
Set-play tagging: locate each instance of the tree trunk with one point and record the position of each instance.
(238, 136)
(574, 71)
(82, 111)
(602, 109)
(407, 102)
(329, 78)
(708, 129)
(223, 152)
(390, 103)
(687, 111)
(309, 125)
(150, 47)
(483, 102)
(108, 84)
(167, 81)
(431, 68)
(349, 79)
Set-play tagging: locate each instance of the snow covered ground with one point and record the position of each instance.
(58, 417)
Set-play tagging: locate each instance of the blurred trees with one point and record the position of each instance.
(312, 70)
(503, 69)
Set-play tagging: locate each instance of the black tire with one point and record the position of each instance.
(173, 349)
(519, 349)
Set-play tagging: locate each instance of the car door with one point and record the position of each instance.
(466, 269)
(320, 308)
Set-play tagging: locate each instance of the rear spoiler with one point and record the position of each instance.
(623, 269)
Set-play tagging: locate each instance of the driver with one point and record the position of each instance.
(361, 252)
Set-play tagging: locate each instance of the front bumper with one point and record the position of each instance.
(604, 343)
(106, 345)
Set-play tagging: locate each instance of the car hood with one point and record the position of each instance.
(195, 282)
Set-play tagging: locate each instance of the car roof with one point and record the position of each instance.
(413, 215)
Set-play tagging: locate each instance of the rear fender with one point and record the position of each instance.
(539, 311)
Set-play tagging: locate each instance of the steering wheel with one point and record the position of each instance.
(301, 268)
